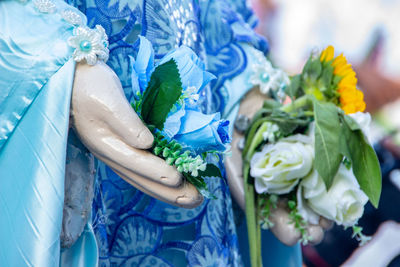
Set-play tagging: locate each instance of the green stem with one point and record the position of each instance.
(258, 229)
(256, 140)
(298, 103)
(251, 217)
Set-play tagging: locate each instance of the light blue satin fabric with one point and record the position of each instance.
(36, 77)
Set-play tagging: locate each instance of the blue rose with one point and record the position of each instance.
(195, 130)
(203, 132)
(191, 68)
(142, 67)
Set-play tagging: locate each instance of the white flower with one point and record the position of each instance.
(268, 78)
(71, 16)
(191, 94)
(89, 44)
(343, 203)
(45, 6)
(278, 167)
(271, 132)
(364, 121)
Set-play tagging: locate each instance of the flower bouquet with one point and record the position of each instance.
(166, 97)
(311, 153)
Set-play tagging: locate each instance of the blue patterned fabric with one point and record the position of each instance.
(132, 228)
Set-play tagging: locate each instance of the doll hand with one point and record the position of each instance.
(283, 229)
(108, 126)
(250, 104)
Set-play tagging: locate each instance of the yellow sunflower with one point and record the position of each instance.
(351, 99)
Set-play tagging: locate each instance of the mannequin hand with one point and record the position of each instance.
(108, 126)
(285, 231)
(282, 229)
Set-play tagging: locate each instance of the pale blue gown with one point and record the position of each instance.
(36, 77)
(131, 228)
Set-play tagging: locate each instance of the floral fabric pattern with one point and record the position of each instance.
(132, 228)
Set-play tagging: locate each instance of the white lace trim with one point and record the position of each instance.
(89, 44)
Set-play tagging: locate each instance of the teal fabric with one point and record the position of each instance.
(84, 252)
(36, 77)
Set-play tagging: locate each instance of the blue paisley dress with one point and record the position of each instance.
(133, 229)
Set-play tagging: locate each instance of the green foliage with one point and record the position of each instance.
(313, 68)
(299, 223)
(327, 75)
(360, 237)
(325, 83)
(137, 105)
(200, 185)
(294, 88)
(194, 169)
(266, 204)
(327, 134)
(364, 161)
(211, 171)
(287, 121)
(163, 91)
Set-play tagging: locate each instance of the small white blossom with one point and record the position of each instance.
(194, 166)
(71, 16)
(45, 6)
(191, 94)
(89, 44)
(271, 132)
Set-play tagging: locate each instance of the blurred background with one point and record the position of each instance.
(368, 33)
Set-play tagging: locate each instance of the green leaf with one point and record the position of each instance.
(200, 185)
(293, 89)
(351, 123)
(327, 136)
(313, 69)
(211, 171)
(364, 161)
(327, 75)
(162, 92)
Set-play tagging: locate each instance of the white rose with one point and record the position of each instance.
(343, 203)
(364, 121)
(278, 167)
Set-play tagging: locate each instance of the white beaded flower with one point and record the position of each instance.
(72, 17)
(268, 78)
(45, 6)
(89, 44)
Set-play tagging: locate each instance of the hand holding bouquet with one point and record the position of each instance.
(166, 97)
(313, 154)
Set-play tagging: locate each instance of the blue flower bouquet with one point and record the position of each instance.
(166, 98)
